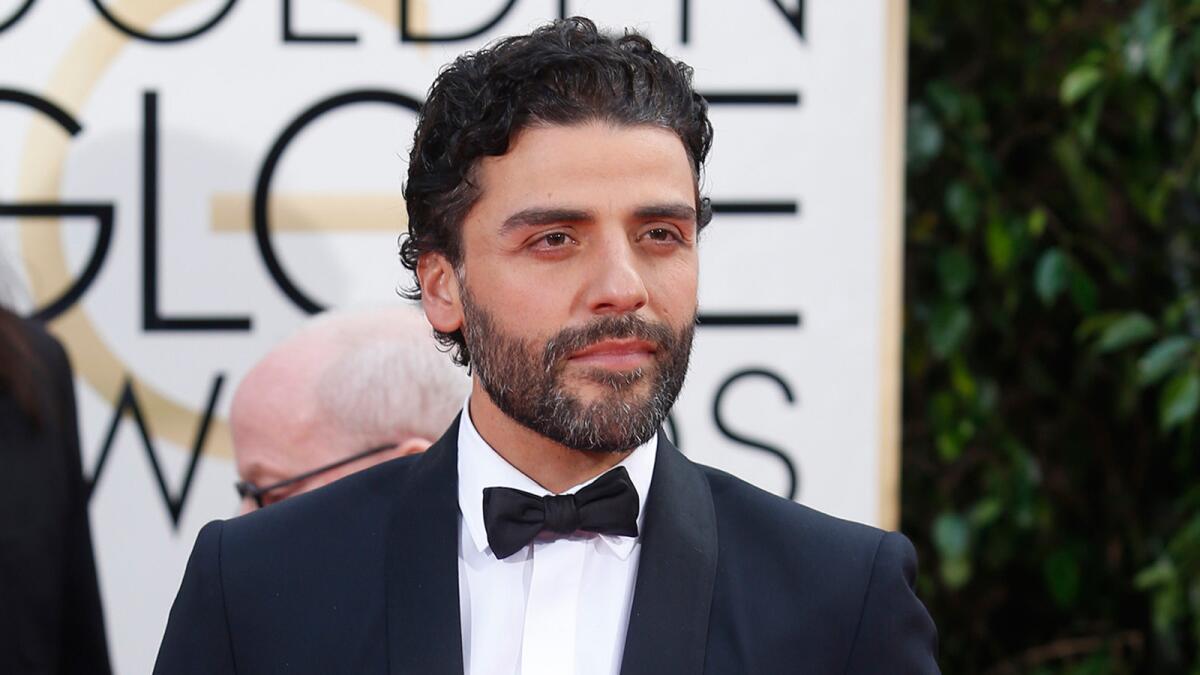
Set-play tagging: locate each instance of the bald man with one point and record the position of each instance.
(349, 390)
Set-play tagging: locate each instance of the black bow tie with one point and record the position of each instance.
(514, 517)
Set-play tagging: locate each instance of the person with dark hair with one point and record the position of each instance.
(50, 614)
(554, 221)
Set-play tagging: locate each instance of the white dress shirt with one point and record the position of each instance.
(557, 606)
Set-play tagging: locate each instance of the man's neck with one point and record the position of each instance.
(552, 465)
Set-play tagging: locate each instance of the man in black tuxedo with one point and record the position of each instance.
(554, 215)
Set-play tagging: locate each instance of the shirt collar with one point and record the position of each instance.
(480, 466)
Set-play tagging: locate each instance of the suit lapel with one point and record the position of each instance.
(423, 625)
(668, 624)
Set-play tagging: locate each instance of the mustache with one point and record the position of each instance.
(628, 326)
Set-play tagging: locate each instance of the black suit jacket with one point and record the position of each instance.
(362, 577)
(50, 617)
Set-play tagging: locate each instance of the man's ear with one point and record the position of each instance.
(413, 446)
(440, 294)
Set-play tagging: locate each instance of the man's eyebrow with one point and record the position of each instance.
(667, 211)
(542, 216)
(535, 216)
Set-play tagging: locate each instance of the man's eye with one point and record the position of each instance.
(661, 234)
(553, 240)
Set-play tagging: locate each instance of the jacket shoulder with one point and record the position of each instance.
(813, 588)
(762, 515)
(768, 542)
(301, 579)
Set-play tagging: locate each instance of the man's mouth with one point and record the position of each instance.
(616, 354)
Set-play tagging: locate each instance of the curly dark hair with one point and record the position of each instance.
(566, 72)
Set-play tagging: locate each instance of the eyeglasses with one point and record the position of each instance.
(248, 490)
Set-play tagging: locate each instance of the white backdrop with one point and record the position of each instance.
(131, 160)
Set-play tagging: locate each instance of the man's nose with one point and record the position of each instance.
(617, 285)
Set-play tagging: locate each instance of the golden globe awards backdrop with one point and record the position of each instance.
(182, 182)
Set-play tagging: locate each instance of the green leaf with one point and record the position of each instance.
(1129, 329)
(1083, 289)
(924, 136)
(951, 535)
(1086, 123)
(1050, 275)
(948, 101)
(1161, 573)
(956, 572)
(1134, 56)
(1061, 572)
(1180, 400)
(1092, 325)
(948, 327)
(948, 446)
(956, 271)
(1167, 607)
(1160, 358)
(962, 205)
(1081, 80)
(1158, 53)
(963, 381)
(1090, 190)
(1196, 104)
(1185, 543)
(1000, 246)
(986, 511)
(1039, 19)
(1037, 222)
(942, 409)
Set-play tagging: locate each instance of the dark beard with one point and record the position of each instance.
(529, 387)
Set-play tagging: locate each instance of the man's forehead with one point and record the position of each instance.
(272, 415)
(546, 134)
(570, 166)
(268, 455)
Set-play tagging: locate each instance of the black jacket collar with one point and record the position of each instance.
(423, 626)
(668, 624)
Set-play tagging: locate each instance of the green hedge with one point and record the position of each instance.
(1052, 335)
